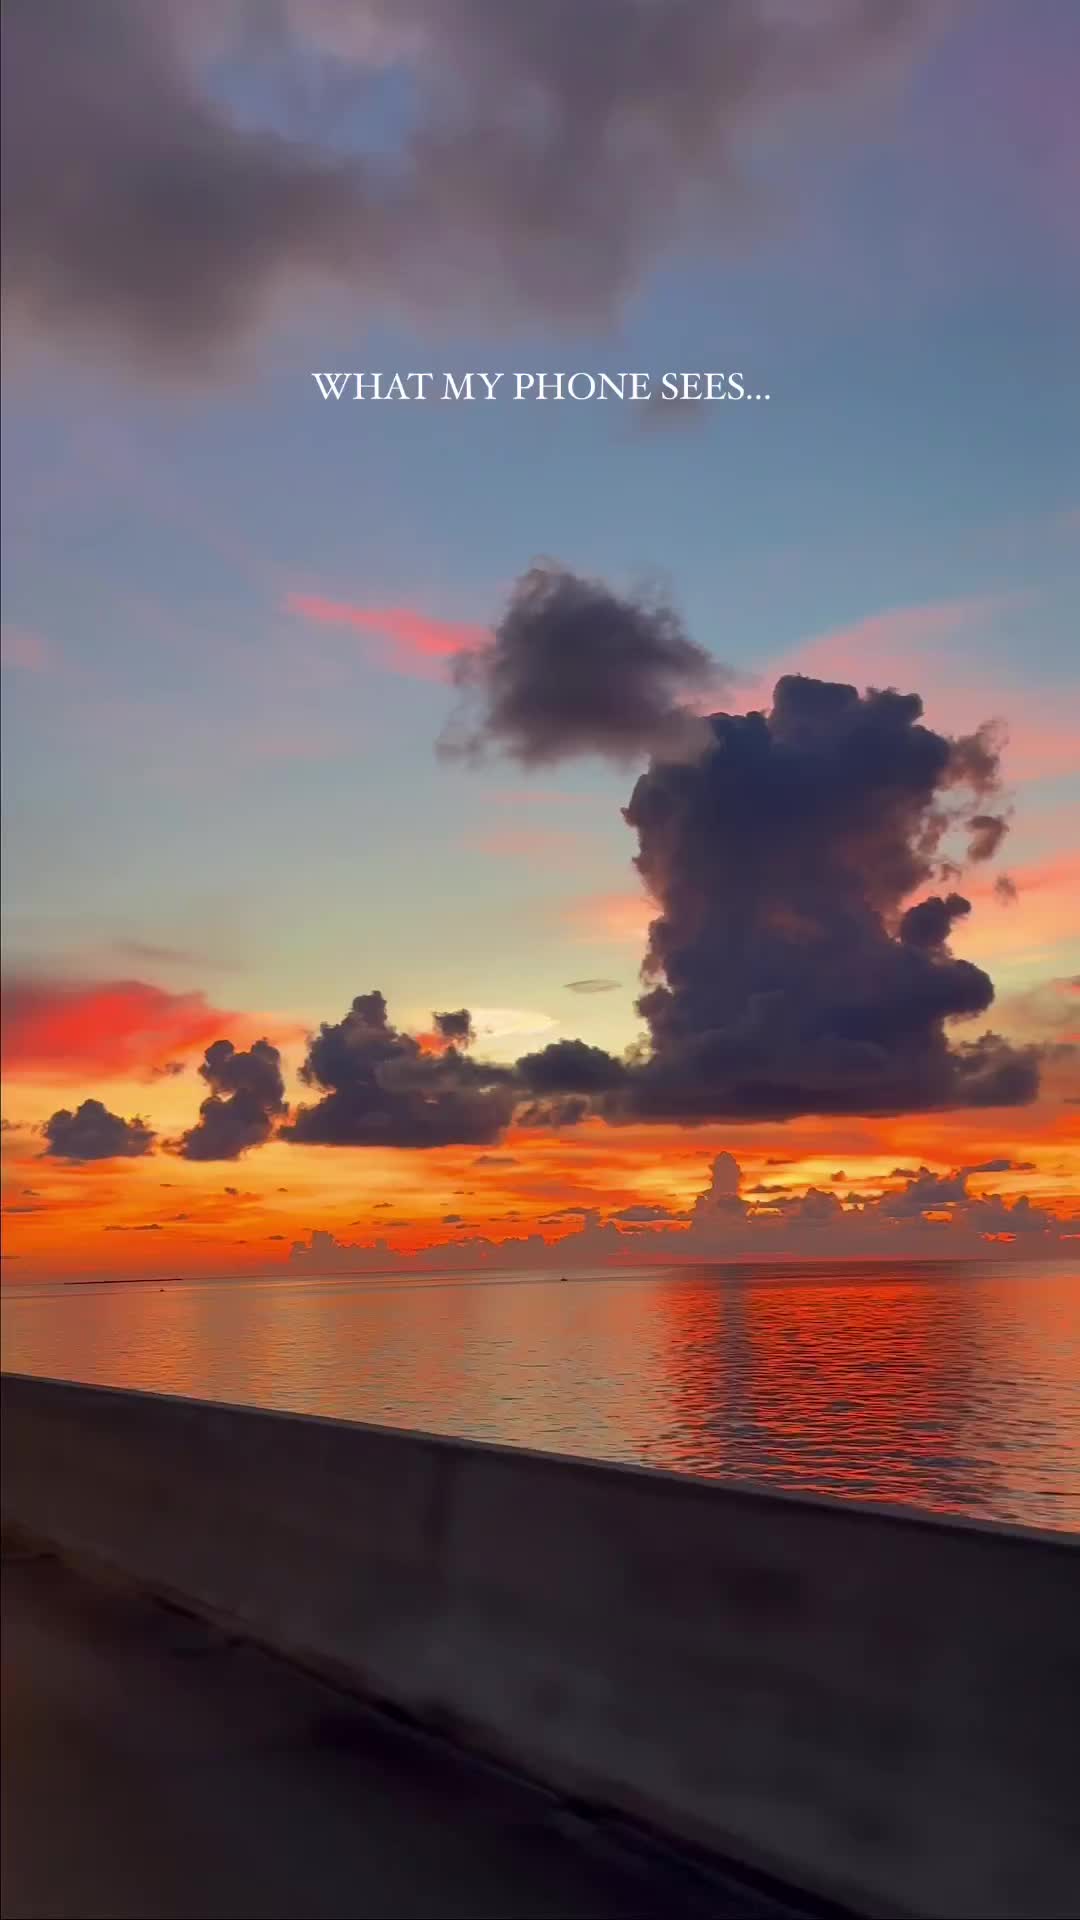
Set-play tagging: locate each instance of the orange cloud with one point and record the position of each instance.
(622, 918)
(1045, 913)
(416, 644)
(108, 1028)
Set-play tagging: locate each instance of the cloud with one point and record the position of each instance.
(27, 652)
(145, 213)
(571, 1066)
(93, 1133)
(930, 1216)
(247, 1096)
(496, 1160)
(380, 1087)
(416, 645)
(784, 973)
(942, 647)
(929, 924)
(455, 1028)
(574, 668)
(988, 830)
(592, 986)
(544, 846)
(101, 1027)
(1001, 1166)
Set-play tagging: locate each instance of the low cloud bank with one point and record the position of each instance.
(931, 1216)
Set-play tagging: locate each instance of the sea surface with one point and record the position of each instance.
(949, 1387)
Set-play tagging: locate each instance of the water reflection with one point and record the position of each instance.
(954, 1388)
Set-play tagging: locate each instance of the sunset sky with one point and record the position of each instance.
(232, 612)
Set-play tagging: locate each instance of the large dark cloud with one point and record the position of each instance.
(551, 152)
(93, 1133)
(247, 1096)
(785, 972)
(380, 1088)
(575, 668)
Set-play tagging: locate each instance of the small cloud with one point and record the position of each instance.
(496, 1160)
(93, 1133)
(662, 410)
(25, 651)
(591, 986)
(1003, 1166)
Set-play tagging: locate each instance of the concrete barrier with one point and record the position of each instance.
(877, 1706)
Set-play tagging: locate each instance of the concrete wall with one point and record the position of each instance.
(876, 1706)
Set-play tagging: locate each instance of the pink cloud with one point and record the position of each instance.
(618, 918)
(417, 645)
(27, 651)
(929, 650)
(1045, 913)
(550, 846)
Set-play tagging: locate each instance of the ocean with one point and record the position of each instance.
(951, 1387)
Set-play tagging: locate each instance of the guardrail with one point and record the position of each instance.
(878, 1706)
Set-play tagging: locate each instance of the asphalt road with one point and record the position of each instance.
(151, 1767)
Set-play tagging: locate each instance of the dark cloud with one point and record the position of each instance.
(149, 1226)
(456, 1027)
(570, 1066)
(496, 1160)
(988, 830)
(169, 1070)
(564, 1110)
(1002, 1166)
(575, 668)
(550, 155)
(381, 1089)
(93, 1133)
(783, 974)
(1006, 889)
(247, 1096)
(592, 986)
(929, 924)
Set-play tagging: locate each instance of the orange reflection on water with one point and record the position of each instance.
(948, 1387)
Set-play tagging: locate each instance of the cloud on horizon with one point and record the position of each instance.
(930, 1216)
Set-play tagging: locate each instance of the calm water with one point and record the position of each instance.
(950, 1387)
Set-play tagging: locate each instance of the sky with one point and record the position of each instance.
(309, 700)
